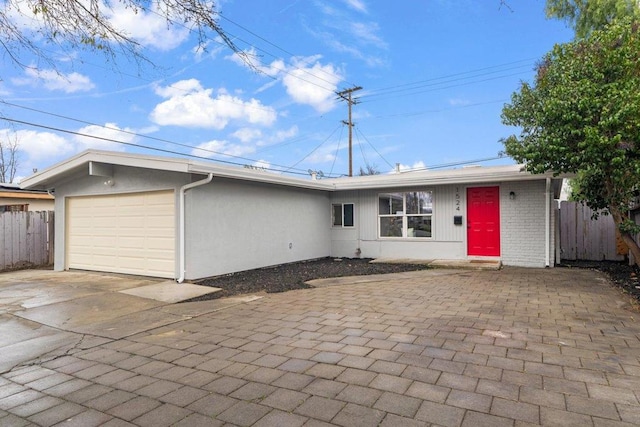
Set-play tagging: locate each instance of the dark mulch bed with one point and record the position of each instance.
(286, 277)
(621, 274)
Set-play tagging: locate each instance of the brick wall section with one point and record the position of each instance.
(523, 224)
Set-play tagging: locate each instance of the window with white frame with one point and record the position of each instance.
(405, 215)
(342, 214)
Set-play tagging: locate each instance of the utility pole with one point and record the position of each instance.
(346, 95)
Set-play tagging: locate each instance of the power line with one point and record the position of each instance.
(315, 149)
(130, 144)
(449, 76)
(124, 131)
(374, 148)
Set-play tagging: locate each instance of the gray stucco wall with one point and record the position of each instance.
(126, 180)
(235, 226)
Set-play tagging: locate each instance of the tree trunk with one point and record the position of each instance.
(627, 238)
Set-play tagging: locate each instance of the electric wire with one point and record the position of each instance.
(130, 144)
(335, 157)
(127, 132)
(374, 148)
(315, 149)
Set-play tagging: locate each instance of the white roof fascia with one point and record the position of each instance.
(249, 174)
(108, 157)
(444, 177)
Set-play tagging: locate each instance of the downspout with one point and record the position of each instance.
(182, 227)
(547, 222)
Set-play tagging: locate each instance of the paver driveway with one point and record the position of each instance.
(513, 347)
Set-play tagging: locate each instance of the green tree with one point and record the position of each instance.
(585, 16)
(582, 116)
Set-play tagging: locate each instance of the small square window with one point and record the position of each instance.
(342, 214)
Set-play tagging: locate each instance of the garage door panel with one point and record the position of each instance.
(125, 233)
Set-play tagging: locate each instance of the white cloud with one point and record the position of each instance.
(37, 146)
(366, 34)
(457, 102)
(216, 148)
(311, 83)
(306, 80)
(262, 164)
(416, 165)
(55, 81)
(189, 104)
(247, 135)
(105, 137)
(357, 5)
(148, 28)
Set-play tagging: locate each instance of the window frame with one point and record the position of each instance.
(404, 216)
(342, 216)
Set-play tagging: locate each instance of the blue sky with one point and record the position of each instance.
(434, 76)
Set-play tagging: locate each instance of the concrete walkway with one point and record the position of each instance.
(513, 347)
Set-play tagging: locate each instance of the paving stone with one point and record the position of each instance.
(35, 406)
(390, 383)
(398, 404)
(421, 374)
(164, 415)
(281, 419)
(324, 370)
(498, 389)
(477, 419)
(556, 417)
(158, 388)
(109, 400)
(89, 418)
(595, 407)
(320, 408)
(359, 395)
(253, 392)
(184, 396)
(264, 375)
(243, 413)
(293, 381)
(20, 398)
(460, 382)
(542, 397)
(225, 385)
(392, 420)
(137, 382)
(386, 367)
(212, 404)
(325, 388)
(565, 386)
(56, 414)
(90, 392)
(198, 420)
(286, 400)
(68, 387)
(469, 400)
(516, 410)
(428, 391)
(353, 415)
(134, 408)
(440, 414)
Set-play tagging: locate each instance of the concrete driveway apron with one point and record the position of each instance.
(514, 347)
(41, 310)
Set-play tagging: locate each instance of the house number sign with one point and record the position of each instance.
(458, 199)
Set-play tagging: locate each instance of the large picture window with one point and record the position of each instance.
(405, 215)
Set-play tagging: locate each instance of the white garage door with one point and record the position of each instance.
(123, 233)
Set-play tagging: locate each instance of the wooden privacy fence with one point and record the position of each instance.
(26, 239)
(582, 238)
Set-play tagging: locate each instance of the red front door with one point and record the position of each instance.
(483, 221)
